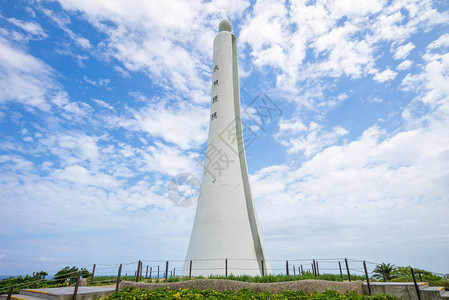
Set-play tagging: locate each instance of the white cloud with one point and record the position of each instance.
(173, 49)
(29, 81)
(30, 27)
(430, 84)
(122, 71)
(291, 127)
(80, 175)
(403, 51)
(23, 78)
(103, 104)
(394, 181)
(63, 21)
(343, 37)
(441, 42)
(168, 160)
(307, 139)
(398, 180)
(99, 82)
(386, 75)
(181, 124)
(405, 65)
(2, 256)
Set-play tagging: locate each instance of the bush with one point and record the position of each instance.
(62, 275)
(133, 293)
(23, 282)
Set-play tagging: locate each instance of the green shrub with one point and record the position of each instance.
(62, 275)
(141, 294)
(25, 282)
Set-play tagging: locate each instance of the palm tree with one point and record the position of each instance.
(384, 271)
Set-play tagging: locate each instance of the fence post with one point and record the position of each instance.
(166, 270)
(11, 288)
(420, 277)
(93, 273)
(141, 270)
(314, 268)
(151, 278)
(416, 285)
(294, 271)
(190, 270)
(138, 271)
(347, 269)
(35, 280)
(263, 271)
(75, 292)
(317, 269)
(341, 273)
(226, 268)
(367, 278)
(157, 271)
(286, 267)
(174, 272)
(146, 273)
(118, 277)
(302, 270)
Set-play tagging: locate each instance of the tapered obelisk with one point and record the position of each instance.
(225, 230)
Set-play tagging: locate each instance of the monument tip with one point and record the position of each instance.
(225, 25)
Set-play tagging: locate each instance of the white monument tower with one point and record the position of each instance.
(225, 234)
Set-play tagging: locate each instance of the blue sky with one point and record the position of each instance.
(103, 102)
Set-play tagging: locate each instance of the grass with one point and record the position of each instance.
(263, 279)
(282, 278)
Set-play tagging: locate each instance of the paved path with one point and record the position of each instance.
(63, 293)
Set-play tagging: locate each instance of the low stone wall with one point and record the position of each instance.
(221, 285)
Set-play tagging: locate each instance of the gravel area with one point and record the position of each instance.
(221, 285)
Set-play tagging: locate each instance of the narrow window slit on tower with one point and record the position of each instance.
(215, 99)
(216, 82)
(213, 116)
(216, 68)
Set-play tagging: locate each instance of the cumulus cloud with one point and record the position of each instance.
(80, 175)
(385, 183)
(173, 49)
(181, 124)
(310, 139)
(342, 38)
(441, 42)
(430, 83)
(403, 51)
(406, 64)
(386, 75)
